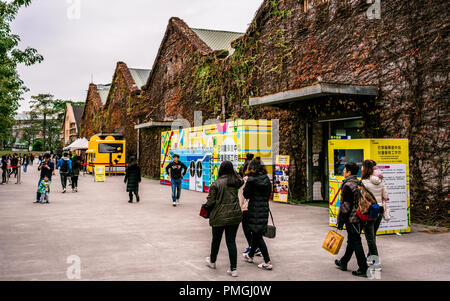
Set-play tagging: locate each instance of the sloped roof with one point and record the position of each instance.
(78, 113)
(139, 76)
(217, 39)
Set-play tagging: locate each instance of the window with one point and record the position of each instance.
(342, 156)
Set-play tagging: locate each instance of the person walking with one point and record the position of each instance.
(373, 182)
(47, 168)
(4, 169)
(25, 162)
(244, 207)
(258, 190)
(76, 168)
(176, 171)
(14, 162)
(31, 159)
(133, 179)
(347, 216)
(65, 168)
(226, 214)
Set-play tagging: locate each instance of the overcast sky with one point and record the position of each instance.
(78, 41)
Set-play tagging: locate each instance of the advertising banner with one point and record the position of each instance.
(99, 173)
(391, 156)
(281, 179)
(202, 149)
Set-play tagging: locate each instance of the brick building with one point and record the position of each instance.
(323, 68)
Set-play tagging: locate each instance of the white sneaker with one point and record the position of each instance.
(233, 273)
(209, 263)
(178, 202)
(64, 191)
(265, 266)
(247, 258)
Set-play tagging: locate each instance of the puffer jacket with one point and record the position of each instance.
(224, 201)
(376, 186)
(132, 177)
(257, 190)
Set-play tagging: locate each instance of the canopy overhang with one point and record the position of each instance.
(314, 91)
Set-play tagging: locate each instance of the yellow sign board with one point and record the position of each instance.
(99, 173)
(392, 158)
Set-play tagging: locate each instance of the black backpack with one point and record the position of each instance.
(65, 166)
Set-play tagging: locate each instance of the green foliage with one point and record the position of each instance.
(11, 86)
(38, 145)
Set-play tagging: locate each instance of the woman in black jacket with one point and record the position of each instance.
(257, 190)
(133, 179)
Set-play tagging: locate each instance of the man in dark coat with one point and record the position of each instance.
(133, 179)
(347, 216)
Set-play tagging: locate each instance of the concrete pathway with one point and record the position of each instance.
(152, 240)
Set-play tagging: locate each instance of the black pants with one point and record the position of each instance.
(4, 172)
(354, 245)
(246, 228)
(74, 182)
(258, 242)
(13, 171)
(370, 231)
(230, 238)
(136, 193)
(63, 179)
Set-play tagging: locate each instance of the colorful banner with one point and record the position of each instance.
(202, 149)
(392, 158)
(281, 179)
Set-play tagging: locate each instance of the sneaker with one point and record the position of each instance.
(178, 202)
(209, 263)
(377, 267)
(233, 273)
(174, 204)
(137, 199)
(246, 251)
(64, 190)
(265, 266)
(248, 258)
(35, 202)
(130, 201)
(258, 252)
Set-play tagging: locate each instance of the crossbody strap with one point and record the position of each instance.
(271, 217)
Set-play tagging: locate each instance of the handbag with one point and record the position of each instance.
(271, 230)
(333, 242)
(205, 211)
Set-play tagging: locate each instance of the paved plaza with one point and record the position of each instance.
(152, 240)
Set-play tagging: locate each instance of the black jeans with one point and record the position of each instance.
(230, 238)
(63, 179)
(4, 172)
(246, 228)
(258, 242)
(136, 193)
(74, 182)
(370, 231)
(354, 244)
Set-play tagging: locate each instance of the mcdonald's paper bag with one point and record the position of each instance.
(333, 242)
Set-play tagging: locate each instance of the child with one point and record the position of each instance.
(44, 189)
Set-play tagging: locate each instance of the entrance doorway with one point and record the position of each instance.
(318, 134)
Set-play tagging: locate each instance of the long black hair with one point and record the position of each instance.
(227, 169)
(256, 168)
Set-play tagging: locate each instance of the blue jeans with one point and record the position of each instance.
(176, 189)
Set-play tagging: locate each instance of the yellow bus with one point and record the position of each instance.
(108, 152)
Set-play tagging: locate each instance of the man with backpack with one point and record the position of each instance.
(347, 216)
(65, 167)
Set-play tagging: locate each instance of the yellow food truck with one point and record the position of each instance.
(108, 152)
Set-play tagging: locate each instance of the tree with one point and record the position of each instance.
(42, 106)
(11, 86)
(31, 130)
